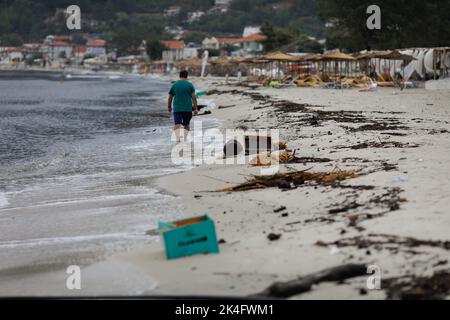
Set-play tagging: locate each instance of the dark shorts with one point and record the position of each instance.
(183, 118)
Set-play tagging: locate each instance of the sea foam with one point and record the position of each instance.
(3, 200)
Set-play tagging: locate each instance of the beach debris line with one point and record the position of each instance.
(304, 284)
(296, 178)
(345, 208)
(309, 160)
(382, 144)
(380, 240)
(435, 287)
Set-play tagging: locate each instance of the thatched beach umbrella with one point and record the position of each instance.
(303, 62)
(365, 58)
(394, 55)
(258, 62)
(279, 57)
(337, 58)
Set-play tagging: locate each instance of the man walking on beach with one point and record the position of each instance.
(182, 95)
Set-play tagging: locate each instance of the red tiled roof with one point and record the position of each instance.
(61, 38)
(59, 44)
(31, 45)
(13, 49)
(96, 43)
(173, 44)
(230, 40)
(255, 37)
(80, 49)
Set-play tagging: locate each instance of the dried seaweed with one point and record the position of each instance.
(373, 144)
(378, 126)
(309, 160)
(363, 242)
(283, 180)
(436, 287)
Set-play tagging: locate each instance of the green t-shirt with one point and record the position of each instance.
(182, 91)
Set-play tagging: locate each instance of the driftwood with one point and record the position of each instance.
(304, 284)
(225, 107)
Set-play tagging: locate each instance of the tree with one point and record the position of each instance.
(11, 39)
(132, 36)
(196, 37)
(404, 23)
(155, 48)
(78, 39)
(276, 37)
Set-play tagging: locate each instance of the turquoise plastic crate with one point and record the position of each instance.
(188, 237)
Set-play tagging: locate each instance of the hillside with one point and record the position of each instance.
(28, 20)
(297, 15)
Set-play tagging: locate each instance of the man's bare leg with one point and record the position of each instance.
(177, 132)
(186, 132)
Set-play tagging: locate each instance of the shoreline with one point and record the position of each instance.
(400, 195)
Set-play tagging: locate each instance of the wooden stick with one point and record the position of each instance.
(304, 284)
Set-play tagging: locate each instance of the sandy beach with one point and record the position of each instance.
(393, 215)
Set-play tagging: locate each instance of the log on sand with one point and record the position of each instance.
(304, 284)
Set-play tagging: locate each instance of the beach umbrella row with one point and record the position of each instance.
(337, 63)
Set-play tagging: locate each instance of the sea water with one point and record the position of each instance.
(78, 160)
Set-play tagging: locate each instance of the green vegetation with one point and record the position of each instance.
(132, 36)
(404, 23)
(11, 39)
(32, 20)
(155, 48)
(297, 15)
(285, 39)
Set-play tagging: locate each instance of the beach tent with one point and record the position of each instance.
(303, 64)
(393, 61)
(258, 66)
(279, 59)
(410, 68)
(382, 62)
(279, 56)
(336, 63)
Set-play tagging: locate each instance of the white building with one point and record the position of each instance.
(58, 49)
(251, 30)
(195, 16)
(211, 43)
(190, 51)
(10, 55)
(253, 44)
(172, 11)
(96, 48)
(174, 50)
